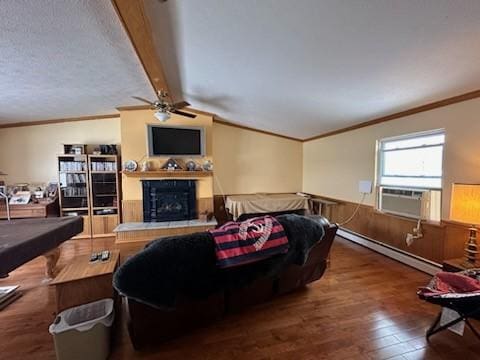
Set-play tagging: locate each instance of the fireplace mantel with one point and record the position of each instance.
(168, 174)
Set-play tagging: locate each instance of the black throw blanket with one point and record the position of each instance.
(186, 265)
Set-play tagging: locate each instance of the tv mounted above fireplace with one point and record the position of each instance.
(175, 141)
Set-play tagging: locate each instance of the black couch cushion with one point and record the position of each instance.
(186, 265)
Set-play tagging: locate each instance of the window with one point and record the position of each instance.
(412, 161)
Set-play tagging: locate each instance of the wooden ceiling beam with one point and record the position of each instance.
(137, 26)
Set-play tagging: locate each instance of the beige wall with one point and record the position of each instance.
(244, 161)
(28, 154)
(247, 161)
(332, 166)
(134, 147)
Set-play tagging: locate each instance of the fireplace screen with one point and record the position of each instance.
(169, 200)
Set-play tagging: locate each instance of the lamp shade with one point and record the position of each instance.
(162, 115)
(465, 204)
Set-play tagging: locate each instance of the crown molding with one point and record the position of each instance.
(226, 123)
(134, 107)
(401, 114)
(57, 121)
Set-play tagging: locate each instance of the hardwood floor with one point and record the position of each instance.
(365, 307)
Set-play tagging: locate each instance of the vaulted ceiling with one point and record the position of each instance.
(306, 67)
(297, 68)
(62, 59)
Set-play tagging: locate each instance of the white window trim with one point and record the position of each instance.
(380, 161)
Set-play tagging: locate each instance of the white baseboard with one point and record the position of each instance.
(416, 262)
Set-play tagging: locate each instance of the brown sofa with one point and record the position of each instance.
(148, 326)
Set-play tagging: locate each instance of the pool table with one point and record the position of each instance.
(24, 239)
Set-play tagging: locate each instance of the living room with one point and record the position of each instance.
(131, 153)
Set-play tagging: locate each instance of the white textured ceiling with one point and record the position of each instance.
(65, 58)
(306, 67)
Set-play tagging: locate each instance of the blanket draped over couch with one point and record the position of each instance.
(186, 265)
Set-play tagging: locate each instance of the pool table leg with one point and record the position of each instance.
(52, 259)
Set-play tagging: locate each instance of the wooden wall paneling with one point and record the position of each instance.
(441, 241)
(455, 238)
(220, 212)
(438, 236)
(387, 229)
(132, 211)
(103, 225)
(205, 204)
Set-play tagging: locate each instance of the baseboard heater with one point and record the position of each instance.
(417, 262)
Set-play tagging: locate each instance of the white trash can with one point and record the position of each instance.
(83, 332)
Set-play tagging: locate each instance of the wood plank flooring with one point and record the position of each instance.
(365, 307)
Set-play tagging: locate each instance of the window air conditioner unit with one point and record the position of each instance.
(414, 203)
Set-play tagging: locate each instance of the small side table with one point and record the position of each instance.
(456, 265)
(82, 281)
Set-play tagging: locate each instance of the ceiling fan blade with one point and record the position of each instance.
(182, 113)
(180, 105)
(144, 100)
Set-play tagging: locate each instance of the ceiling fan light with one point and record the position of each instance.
(162, 116)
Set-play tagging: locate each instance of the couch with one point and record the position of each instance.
(148, 325)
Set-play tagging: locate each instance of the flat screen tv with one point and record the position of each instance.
(175, 141)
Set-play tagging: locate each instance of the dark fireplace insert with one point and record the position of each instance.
(169, 200)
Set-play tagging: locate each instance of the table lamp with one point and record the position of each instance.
(465, 208)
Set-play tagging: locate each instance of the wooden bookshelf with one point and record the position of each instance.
(73, 189)
(104, 194)
(89, 186)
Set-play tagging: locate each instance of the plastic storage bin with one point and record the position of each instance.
(83, 332)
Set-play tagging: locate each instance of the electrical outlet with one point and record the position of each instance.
(365, 187)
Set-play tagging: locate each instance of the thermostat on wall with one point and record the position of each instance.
(365, 186)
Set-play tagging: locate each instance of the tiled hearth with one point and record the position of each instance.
(130, 238)
(135, 226)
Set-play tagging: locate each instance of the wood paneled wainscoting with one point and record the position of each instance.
(441, 241)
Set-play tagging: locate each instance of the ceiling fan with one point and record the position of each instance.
(164, 108)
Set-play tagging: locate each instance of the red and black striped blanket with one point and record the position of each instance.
(238, 243)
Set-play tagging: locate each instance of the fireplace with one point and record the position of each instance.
(169, 200)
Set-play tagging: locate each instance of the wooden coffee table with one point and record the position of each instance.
(82, 281)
